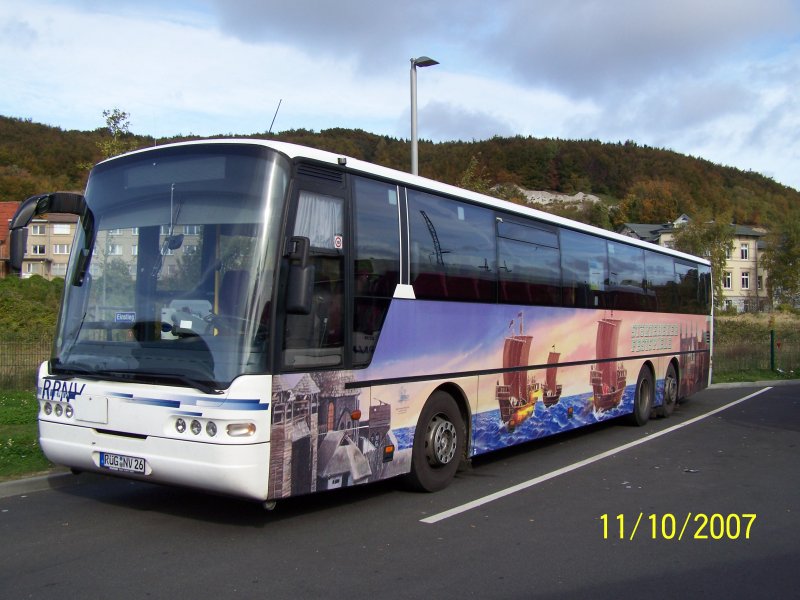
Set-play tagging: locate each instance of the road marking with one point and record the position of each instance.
(574, 466)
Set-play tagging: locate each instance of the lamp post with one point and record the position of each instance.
(422, 61)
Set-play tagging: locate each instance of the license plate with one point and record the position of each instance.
(120, 462)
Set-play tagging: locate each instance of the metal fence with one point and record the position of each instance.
(736, 351)
(19, 363)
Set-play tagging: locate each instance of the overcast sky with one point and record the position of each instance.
(716, 79)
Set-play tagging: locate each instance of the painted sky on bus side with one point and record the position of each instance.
(715, 79)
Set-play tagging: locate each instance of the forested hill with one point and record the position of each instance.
(635, 183)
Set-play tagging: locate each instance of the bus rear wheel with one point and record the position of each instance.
(439, 442)
(643, 398)
(670, 392)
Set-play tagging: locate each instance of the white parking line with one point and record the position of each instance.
(547, 476)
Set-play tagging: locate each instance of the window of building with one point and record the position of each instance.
(61, 228)
(745, 280)
(745, 251)
(727, 280)
(728, 252)
(760, 282)
(38, 229)
(59, 269)
(61, 249)
(38, 249)
(114, 249)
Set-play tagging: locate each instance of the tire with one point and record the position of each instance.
(670, 393)
(643, 398)
(439, 442)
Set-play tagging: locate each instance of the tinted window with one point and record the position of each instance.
(661, 287)
(705, 289)
(377, 262)
(688, 288)
(452, 249)
(625, 277)
(584, 270)
(529, 269)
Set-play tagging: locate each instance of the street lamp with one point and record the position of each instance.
(422, 61)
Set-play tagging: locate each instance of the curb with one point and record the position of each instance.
(753, 384)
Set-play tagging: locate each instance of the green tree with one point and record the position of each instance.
(475, 177)
(782, 260)
(118, 127)
(710, 239)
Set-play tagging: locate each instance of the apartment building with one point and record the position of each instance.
(49, 244)
(744, 279)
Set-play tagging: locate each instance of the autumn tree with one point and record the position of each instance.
(782, 260)
(710, 239)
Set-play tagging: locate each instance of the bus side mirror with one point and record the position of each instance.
(300, 287)
(57, 202)
(17, 244)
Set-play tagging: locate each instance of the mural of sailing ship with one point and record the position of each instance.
(607, 376)
(516, 395)
(551, 389)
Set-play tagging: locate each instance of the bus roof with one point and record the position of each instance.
(296, 151)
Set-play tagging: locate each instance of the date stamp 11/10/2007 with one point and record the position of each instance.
(668, 526)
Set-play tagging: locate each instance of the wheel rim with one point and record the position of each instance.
(670, 389)
(441, 441)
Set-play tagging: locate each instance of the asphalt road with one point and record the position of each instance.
(692, 489)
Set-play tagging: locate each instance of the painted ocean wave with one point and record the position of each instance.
(489, 433)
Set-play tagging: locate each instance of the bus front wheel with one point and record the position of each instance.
(438, 444)
(643, 398)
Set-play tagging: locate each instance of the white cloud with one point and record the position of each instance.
(714, 79)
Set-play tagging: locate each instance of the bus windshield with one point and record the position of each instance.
(171, 274)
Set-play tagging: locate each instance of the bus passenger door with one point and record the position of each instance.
(316, 338)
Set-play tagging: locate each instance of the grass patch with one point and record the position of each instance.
(19, 444)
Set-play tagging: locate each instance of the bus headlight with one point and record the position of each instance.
(59, 410)
(48, 408)
(196, 427)
(180, 425)
(211, 428)
(69, 411)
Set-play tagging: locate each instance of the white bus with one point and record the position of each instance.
(266, 320)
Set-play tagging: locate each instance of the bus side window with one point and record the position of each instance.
(377, 262)
(453, 249)
(584, 269)
(660, 272)
(529, 270)
(626, 277)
